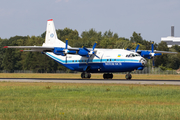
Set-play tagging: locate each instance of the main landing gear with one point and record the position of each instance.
(107, 76)
(128, 76)
(85, 75)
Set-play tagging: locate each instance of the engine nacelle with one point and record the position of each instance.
(146, 54)
(71, 52)
(59, 51)
(83, 52)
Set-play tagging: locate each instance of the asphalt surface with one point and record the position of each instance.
(116, 81)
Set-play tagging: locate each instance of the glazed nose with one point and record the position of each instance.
(143, 61)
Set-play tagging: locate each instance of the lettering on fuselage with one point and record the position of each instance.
(113, 63)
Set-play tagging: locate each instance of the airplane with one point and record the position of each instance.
(87, 60)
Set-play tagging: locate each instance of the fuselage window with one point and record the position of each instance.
(75, 60)
(110, 59)
(107, 59)
(114, 59)
(138, 55)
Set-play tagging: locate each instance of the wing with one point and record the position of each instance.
(165, 52)
(156, 51)
(32, 48)
(38, 48)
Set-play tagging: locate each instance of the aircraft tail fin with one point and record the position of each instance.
(51, 36)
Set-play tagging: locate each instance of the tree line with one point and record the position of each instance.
(13, 59)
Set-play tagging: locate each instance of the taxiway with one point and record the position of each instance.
(115, 81)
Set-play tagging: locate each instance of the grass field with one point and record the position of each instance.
(93, 76)
(88, 101)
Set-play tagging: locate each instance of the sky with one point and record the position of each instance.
(152, 18)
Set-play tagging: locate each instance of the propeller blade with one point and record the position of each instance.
(94, 46)
(66, 44)
(88, 60)
(86, 49)
(158, 54)
(66, 59)
(152, 47)
(96, 56)
(153, 62)
(137, 47)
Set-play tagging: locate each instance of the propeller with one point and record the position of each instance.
(66, 49)
(147, 54)
(92, 52)
(152, 54)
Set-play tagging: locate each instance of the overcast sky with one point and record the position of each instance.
(152, 18)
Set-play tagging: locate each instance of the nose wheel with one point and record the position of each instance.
(85, 75)
(107, 76)
(128, 76)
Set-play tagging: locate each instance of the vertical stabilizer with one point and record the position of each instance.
(51, 36)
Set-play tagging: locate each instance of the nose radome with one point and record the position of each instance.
(143, 61)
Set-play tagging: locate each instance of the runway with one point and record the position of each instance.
(115, 81)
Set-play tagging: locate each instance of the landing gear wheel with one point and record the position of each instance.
(128, 76)
(82, 75)
(107, 76)
(85, 75)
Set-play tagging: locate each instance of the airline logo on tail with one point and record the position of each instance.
(52, 35)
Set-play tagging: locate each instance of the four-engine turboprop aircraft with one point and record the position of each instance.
(91, 60)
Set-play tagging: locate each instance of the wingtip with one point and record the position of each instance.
(21, 50)
(5, 47)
